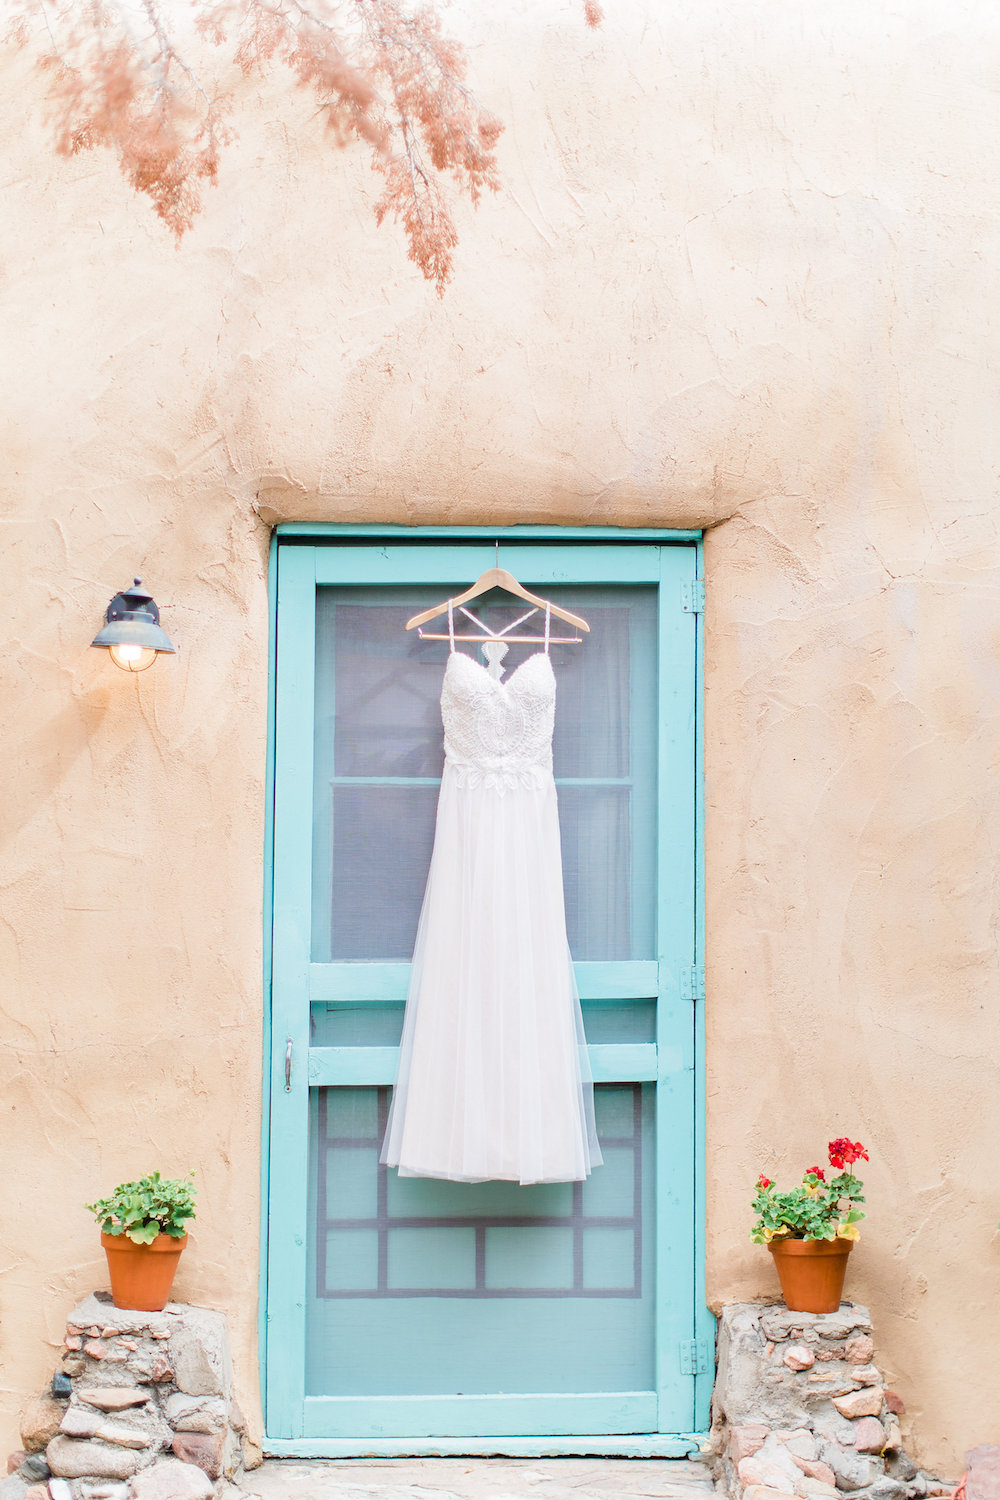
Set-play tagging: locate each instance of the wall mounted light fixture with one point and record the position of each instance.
(132, 630)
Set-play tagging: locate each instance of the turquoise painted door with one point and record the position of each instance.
(416, 1315)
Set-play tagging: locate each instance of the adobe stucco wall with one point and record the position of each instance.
(742, 275)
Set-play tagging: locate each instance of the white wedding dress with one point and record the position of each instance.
(493, 1079)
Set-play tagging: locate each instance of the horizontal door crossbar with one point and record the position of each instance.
(379, 983)
(394, 781)
(454, 1416)
(367, 1067)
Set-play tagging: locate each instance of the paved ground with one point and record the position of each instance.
(480, 1479)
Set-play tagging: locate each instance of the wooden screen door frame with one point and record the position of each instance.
(674, 1417)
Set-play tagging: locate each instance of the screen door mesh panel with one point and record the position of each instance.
(387, 1251)
(379, 1234)
(378, 757)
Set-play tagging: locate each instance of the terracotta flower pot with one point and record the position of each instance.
(142, 1275)
(811, 1272)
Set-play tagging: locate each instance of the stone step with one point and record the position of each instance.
(479, 1479)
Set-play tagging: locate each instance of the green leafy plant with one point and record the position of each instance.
(816, 1209)
(147, 1207)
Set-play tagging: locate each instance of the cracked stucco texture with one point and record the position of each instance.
(741, 275)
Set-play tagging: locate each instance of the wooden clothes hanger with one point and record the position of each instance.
(499, 578)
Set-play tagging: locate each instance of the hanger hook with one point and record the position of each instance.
(496, 554)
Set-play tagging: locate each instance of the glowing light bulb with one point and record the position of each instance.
(132, 658)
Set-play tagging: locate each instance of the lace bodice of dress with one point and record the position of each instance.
(499, 734)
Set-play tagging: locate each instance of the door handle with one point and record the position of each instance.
(288, 1067)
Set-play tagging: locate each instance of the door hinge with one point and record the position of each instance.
(693, 982)
(693, 596)
(694, 1357)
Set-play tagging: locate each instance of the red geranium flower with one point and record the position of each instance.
(817, 1172)
(846, 1152)
(763, 1182)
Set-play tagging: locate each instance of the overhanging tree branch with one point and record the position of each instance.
(130, 75)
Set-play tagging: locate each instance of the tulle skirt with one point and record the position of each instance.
(493, 1079)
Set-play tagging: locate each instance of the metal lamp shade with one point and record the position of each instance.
(132, 630)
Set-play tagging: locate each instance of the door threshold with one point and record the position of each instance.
(632, 1445)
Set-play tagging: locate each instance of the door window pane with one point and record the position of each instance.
(380, 841)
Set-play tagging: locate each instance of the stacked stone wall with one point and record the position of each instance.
(142, 1408)
(800, 1409)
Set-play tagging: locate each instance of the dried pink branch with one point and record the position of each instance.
(119, 81)
(427, 112)
(382, 72)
